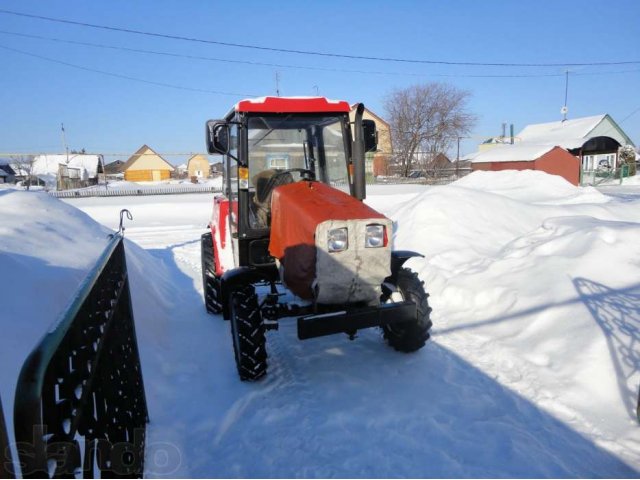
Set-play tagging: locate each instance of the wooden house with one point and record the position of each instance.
(147, 166)
(198, 166)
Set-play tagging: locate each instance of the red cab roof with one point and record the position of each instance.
(292, 105)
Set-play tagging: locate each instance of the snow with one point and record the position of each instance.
(533, 369)
(46, 250)
(531, 186)
(568, 134)
(511, 153)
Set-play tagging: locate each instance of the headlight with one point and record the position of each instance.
(337, 240)
(376, 236)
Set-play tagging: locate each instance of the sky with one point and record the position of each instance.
(108, 102)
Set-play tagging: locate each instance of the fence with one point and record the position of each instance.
(441, 177)
(600, 176)
(101, 191)
(83, 384)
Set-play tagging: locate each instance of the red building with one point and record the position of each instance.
(553, 160)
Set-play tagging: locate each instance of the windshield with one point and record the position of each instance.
(284, 142)
(279, 144)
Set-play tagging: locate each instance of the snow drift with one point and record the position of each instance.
(542, 276)
(47, 249)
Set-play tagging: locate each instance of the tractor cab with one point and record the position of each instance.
(292, 220)
(274, 141)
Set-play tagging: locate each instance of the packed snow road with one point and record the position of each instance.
(532, 370)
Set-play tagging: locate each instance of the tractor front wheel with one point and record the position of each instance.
(408, 336)
(248, 333)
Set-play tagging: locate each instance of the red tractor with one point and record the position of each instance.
(291, 236)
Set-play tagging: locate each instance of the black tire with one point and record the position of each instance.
(248, 333)
(409, 336)
(210, 282)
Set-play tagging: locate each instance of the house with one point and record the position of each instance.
(114, 168)
(378, 162)
(216, 169)
(198, 166)
(74, 170)
(439, 161)
(182, 170)
(594, 140)
(7, 174)
(551, 159)
(147, 166)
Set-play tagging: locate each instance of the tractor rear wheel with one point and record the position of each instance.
(248, 333)
(210, 282)
(408, 336)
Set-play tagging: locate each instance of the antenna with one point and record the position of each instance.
(565, 108)
(277, 83)
(315, 87)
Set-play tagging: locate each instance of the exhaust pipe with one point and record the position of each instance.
(359, 187)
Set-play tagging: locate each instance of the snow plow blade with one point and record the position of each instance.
(320, 325)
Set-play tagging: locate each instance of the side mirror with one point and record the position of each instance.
(217, 137)
(370, 135)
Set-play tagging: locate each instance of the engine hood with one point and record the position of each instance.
(301, 215)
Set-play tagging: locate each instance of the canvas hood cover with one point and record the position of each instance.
(298, 211)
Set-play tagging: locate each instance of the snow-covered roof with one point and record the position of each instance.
(568, 134)
(48, 164)
(470, 156)
(510, 153)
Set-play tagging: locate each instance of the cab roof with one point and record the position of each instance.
(292, 105)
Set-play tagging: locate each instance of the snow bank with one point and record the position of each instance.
(531, 186)
(47, 249)
(542, 277)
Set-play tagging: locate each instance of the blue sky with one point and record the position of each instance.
(108, 114)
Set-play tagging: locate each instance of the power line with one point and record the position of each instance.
(310, 52)
(613, 127)
(274, 65)
(630, 115)
(126, 77)
(302, 67)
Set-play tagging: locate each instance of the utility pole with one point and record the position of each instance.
(458, 159)
(64, 141)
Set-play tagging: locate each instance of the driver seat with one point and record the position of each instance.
(265, 182)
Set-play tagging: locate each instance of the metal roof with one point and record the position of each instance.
(292, 105)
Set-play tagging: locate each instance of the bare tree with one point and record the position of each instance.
(23, 166)
(426, 120)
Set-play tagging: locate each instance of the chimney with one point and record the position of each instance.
(511, 132)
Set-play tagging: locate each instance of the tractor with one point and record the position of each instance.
(291, 236)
